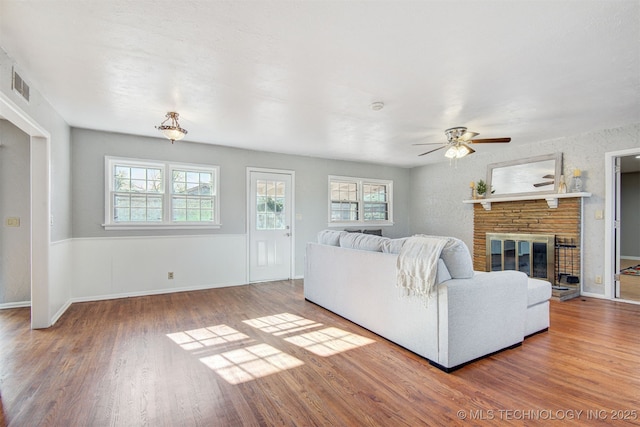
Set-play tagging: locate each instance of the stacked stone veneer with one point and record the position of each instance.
(534, 217)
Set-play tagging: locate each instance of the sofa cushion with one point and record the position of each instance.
(442, 275)
(457, 258)
(366, 242)
(393, 246)
(330, 237)
(537, 291)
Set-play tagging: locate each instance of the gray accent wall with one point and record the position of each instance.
(630, 215)
(438, 190)
(89, 148)
(15, 242)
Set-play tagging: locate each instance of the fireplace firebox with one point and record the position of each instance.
(533, 254)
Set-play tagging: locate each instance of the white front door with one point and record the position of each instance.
(270, 228)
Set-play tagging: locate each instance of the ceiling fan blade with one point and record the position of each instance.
(439, 148)
(467, 136)
(471, 150)
(428, 143)
(549, 177)
(489, 140)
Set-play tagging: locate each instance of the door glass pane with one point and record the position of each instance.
(270, 203)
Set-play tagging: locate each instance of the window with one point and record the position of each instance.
(360, 201)
(149, 194)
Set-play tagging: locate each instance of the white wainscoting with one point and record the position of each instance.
(60, 278)
(105, 268)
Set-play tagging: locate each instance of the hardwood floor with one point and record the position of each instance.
(629, 285)
(262, 355)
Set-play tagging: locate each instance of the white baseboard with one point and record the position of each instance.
(593, 295)
(19, 304)
(60, 312)
(635, 258)
(152, 292)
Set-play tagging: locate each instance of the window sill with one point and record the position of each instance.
(109, 227)
(360, 224)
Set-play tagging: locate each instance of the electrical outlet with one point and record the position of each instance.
(170, 275)
(598, 280)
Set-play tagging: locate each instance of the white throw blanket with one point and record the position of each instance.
(418, 264)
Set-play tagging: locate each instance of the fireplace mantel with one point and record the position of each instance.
(552, 199)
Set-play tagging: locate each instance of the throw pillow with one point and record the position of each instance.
(457, 258)
(330, 237)
(365, 242)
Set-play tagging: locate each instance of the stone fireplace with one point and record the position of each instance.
(532, 217)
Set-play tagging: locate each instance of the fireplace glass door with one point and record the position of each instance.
(533, 254)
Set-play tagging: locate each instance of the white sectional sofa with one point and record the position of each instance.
(468, 316)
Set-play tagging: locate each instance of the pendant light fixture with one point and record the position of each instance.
(172, 131)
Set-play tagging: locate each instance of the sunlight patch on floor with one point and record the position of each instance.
(246, 364)
(329, 341)
(248, 360)
(283, 323)
(207, 337)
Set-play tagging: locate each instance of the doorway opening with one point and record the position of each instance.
(40, 161)
(622, 239)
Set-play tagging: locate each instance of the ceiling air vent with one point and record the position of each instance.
(20, 86)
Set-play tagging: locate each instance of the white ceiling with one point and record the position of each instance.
(299, 76)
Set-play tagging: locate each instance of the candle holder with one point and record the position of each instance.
(577, 184)
(562, 186)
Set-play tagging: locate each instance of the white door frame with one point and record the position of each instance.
(609, 231)
(293, 216)
(40, 165)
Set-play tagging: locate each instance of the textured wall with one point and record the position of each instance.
(438, 190)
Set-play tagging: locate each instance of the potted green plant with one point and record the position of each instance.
(481, 188)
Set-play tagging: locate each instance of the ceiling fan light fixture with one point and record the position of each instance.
(458, 152)
(172, 131)
(452, 153)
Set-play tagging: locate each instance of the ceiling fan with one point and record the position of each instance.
(458, 139)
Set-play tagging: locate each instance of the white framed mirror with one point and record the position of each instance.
(540, 174)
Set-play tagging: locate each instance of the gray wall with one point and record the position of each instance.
(89, 147)
(630, 215)
(46, 116)
(438, 190)
(38, 110)
(15, 242)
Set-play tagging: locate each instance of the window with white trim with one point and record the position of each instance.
(360, 201)
(151, 194)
